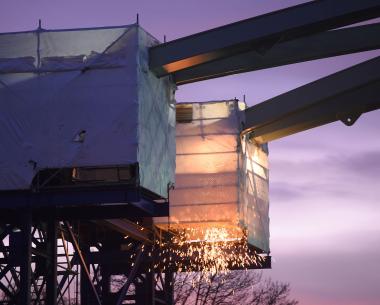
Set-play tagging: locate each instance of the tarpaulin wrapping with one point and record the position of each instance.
(156, 129)
(221, 177)
(56, 84)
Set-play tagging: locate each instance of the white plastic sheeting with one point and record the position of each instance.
(156, 129)
(254, 192)
(221, 178)
(55, 85)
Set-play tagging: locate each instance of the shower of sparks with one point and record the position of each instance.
(213, 251)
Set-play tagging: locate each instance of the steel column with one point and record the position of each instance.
(51, 263)
(85, 273)
(169, 285)
(131, 276)
(24, 295)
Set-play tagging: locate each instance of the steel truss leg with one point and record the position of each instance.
(131, 276)
(29, 263)
(169, 284)
(51, 263)
(106, 284)
(87, 286)
(38, 267)
(9, 277)
(24, 295)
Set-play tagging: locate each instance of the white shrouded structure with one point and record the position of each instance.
(221, 177)
(84, 98)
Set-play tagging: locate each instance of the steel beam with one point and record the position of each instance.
(259, 33)
(69, 196)
(106, 285)
(51, 262)
(148, 297)
(129, 228)
(93, 212)
(168, 287)
(85, 203)
(4, 289)
(340, 96)
(131, 276)
(24, 296)
(85, 271)
(317, 46)
(346, 107)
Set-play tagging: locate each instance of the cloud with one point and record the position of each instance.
(344, 175)
(358, 163)
(347, 278)
(284, 192)
(366, 164)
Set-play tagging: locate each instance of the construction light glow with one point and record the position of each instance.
(221, 181)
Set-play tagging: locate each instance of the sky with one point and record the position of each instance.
(324, 183)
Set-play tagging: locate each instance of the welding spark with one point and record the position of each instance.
(214, 251)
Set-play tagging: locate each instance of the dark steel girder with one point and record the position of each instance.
(93, 212)
(129, 228)
(346, 107)
(87, 203)
(131, 276)
(259, 33)
(69, 196)
(82, 261)
(317, 46)
(344, 96)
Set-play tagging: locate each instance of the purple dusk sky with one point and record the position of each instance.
(325, 183)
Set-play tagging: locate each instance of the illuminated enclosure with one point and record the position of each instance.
(221, 177)
(82, 107)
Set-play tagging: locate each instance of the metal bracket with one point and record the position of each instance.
(349, 119)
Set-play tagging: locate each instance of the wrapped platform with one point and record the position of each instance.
(84, 99)
(221, 176)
